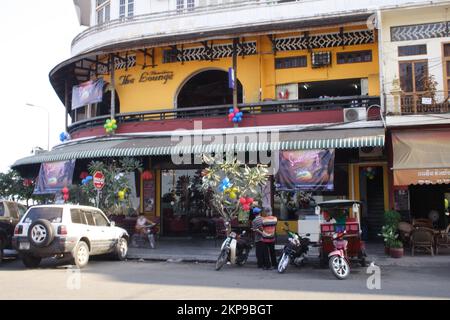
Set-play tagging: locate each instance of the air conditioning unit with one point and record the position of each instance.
(370, 152)
(320, 59)
(355, 114)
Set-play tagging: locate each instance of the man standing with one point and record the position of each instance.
(257, 225)
(268, 238)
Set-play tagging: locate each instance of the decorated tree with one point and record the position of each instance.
(114, 197)
(233, 186)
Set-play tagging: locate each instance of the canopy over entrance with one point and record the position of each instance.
(421, 157)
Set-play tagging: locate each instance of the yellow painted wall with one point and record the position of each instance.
(256, 73)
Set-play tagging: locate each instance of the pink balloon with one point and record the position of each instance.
(236, 110)
(249, 200)
(242, 201)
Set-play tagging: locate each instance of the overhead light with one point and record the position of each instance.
(356, 86)
(306, 86)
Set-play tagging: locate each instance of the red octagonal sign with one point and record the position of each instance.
(99, 180)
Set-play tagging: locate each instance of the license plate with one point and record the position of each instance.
(24, 246)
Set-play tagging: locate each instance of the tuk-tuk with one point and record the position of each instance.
(340, 216)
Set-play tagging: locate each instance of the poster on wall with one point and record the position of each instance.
(53, 176)
(149, 196)
(306, 170)
(87, 92)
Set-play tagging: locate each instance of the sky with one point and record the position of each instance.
(35, 36)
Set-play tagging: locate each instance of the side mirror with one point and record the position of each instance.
(317, 210)
(308, 235)
(112, 224)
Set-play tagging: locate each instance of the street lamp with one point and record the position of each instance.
(48, 122)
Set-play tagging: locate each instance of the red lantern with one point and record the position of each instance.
(147, 175)
(83, 175)
(65, 190)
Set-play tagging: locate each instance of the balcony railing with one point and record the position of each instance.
(418, 103)
(267, 107)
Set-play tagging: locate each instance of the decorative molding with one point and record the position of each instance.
(119, 63)
(217, 51)
(420, 31)
(328, 40)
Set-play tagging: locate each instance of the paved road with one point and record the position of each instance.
(169, 280)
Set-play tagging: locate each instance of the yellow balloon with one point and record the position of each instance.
(121, 195)
(232, 195)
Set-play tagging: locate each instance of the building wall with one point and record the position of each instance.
(390, 60)
(257, 74)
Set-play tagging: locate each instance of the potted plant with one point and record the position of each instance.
(388, 234)
(389, 229)
(396, 249)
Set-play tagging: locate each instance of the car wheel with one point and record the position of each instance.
(121, 249)
(40, 233)
(30, 261)
(81, 254)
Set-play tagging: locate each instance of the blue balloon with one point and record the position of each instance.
(226, 180)
(240, 114)
(83, 182)
(89, 178)
(231, 110)
(235, 120)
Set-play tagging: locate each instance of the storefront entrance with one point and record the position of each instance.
(207, 88)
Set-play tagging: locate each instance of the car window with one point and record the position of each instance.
(2, 209)
(52, 214)
(13, 211)
(89, 218)
(77, 216)
(22, 210)
(100, 220)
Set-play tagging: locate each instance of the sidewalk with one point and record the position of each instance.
(193, 250)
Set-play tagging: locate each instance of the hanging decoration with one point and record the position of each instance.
(63, 136)
(225, 184)
(65, 192)
(86, 180)
(246, 202)
(235, 115)
(110, 126)
(27, 182)
(121, 195)
(147, 175)
(369, 172)
(83, 175)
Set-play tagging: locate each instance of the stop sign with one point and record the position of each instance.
(99, 180)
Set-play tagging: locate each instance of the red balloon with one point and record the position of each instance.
(65, 190)
(246, 207)
(83, 175)
(242, 200)
(249, 200)
(66, 197)
(236, 110)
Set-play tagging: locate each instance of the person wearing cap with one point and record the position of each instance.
(257, 224)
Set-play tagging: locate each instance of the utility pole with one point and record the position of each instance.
(235, 100)
(113, 85)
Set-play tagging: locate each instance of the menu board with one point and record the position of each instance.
(149, 196)
(401, 199)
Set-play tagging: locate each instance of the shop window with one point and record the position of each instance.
(185, 4)
(354, 57)
(103, 8)
(333, 88)
(446, 66)
(412, 76)
(126, 8)
(412, 50)
(291, 62)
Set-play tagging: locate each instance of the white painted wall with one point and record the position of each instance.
(390, 58)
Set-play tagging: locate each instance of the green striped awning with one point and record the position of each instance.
(152, 146)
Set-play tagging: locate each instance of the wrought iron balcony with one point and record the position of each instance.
(256, 109)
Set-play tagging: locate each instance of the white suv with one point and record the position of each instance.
(67, 231)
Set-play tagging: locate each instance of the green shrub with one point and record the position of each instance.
(392, 218)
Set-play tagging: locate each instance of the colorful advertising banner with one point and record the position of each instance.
(307, 170)
(87, 92)
(54, 176)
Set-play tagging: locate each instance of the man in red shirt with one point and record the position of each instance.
(269, 226)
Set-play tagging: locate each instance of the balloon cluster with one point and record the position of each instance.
(63, 136)
(234, 115)
(86, 180)
(246, 203)
(227, 187)
(370, 173)
(110, 125)
(65, 192)
(27, 182)
(257, 210)
(121, 194)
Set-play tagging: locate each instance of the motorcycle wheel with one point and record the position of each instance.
(339, 267)
(221, 260)
(284, 262)
(242, 259)
(151, 240)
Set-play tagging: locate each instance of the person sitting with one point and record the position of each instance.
(142, 224)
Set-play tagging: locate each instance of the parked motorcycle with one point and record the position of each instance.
(235, 249)
(338, 260)
(151, 231)
(294, 250)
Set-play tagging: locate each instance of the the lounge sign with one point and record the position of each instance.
(146, 76)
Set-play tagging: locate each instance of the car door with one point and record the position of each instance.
(106, 232)
(93, 232)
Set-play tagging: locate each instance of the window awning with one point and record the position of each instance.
(135, 146)
(421, 157)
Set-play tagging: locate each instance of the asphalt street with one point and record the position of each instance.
(104, 279)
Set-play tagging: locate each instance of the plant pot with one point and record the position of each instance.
(396, 252)
(387, 251)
